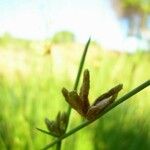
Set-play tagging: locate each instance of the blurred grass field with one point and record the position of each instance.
(30, 90)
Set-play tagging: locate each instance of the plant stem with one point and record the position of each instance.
(58, 146)
(81, 65)
(86, 123)
(77, 81)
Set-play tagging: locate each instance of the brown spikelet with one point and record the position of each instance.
(95, 110)
(84, 91)
(112, 92)
(74, 100)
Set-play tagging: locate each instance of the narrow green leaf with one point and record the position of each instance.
(46, 132)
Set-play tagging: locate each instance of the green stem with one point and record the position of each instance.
(58, 146)
(81, 65)
(86, 123)
(78, 78)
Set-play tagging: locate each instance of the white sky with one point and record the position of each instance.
(38, 19)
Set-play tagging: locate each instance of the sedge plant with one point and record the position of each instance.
(79, 101)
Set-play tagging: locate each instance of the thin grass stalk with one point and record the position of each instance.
(76, 83)
(58, 146)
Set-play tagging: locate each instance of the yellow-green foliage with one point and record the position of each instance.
(30, 90)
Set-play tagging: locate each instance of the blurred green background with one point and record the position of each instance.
(30, 90)
(33, 72)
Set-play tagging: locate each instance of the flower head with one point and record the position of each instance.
(58, 126)
(80, 102)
